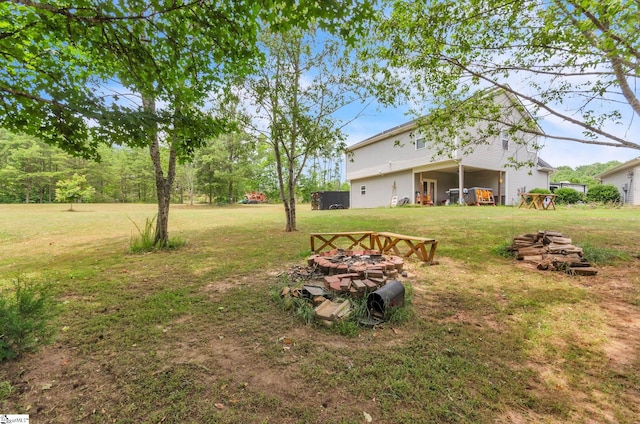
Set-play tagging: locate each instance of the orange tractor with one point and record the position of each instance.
(254, 197)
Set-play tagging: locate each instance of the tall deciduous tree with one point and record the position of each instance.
(570, 61)
(73, 189)
(307, 78)
(61, 59)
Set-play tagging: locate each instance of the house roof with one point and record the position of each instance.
(544, 165)
(408, 126)
(629, 164)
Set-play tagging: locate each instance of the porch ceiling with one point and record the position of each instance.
(448, 168)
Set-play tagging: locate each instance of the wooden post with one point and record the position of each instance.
(460, 183)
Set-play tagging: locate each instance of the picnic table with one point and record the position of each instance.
(541, 201)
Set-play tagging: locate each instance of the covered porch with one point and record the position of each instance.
(441, 183)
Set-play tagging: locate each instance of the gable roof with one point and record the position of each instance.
(544, 165)
(408, 126)
(629, 164)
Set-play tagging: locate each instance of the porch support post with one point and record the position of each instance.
(499, 202)
(460, 183)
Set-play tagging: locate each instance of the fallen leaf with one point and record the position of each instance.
(219, 406)
(367, 417)
(47, 386)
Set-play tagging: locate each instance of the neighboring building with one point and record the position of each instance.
(325, 200)
(398, 163)
(625, 178)
(580, 188)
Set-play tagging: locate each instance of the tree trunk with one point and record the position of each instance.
(163, 185)
(28, 191)
(163, 189)
(284, 197)
(291, 213)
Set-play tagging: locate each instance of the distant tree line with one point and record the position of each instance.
(584, 174)
(222, 171)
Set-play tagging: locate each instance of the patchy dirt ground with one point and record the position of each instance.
(618, 299)
(233, 365)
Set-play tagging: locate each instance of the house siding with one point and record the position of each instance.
(626, 178)
(635, 184)
(396, 153)
(519, 181)
(380, 189)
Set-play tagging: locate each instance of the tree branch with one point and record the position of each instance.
(621, 142)
(606, 30)
(97, 17)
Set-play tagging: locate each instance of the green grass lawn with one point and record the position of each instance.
(194, 336)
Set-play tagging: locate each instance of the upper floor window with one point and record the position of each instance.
(420, 143)
(505, 140)
(363, 189)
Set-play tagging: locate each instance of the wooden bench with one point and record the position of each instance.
(364, 239)
(423, 248)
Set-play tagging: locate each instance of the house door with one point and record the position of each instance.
(429, 191)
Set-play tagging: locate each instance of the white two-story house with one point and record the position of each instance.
(400, 163)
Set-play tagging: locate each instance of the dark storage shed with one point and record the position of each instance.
(324, 200)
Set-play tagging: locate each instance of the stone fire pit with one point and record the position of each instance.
(331, 278)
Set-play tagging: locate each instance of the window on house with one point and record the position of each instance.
(505, 140)
(363, 190)
(420, 143)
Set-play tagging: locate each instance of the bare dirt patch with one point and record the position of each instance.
(616, 288)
